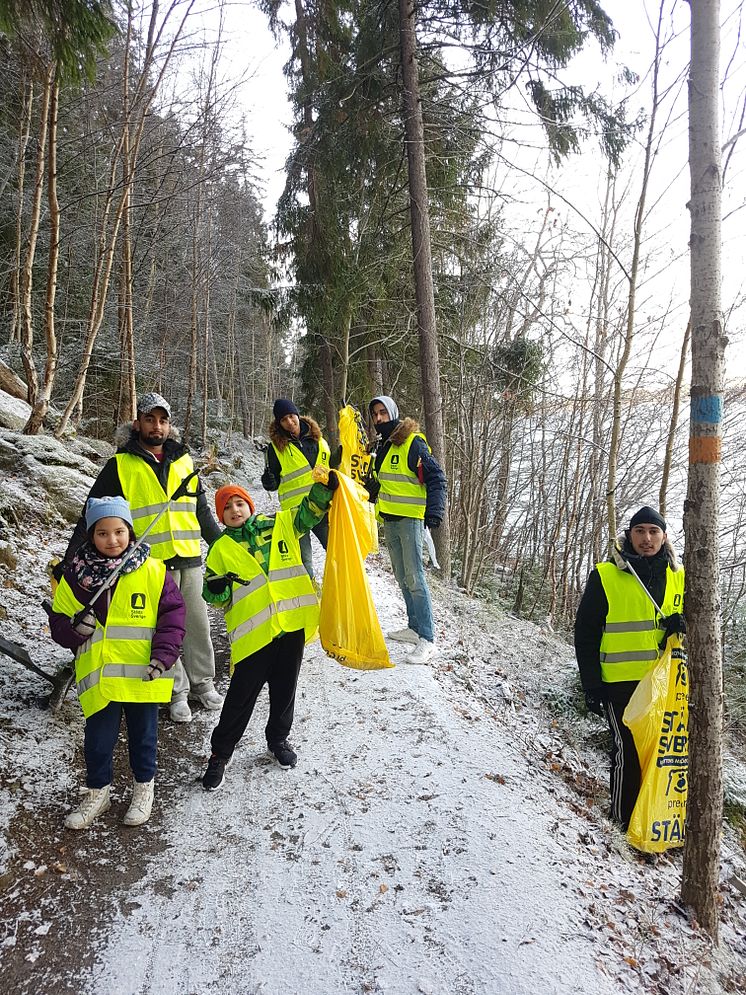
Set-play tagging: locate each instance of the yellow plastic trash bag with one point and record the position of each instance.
(348, 626)
(356, 462)
(658, 716)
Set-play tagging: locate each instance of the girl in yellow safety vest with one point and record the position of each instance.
(255, 571)
(123, 644)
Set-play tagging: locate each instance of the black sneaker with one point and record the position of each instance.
(213, 776)
(283, 753)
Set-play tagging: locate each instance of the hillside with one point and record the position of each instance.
(443, 833)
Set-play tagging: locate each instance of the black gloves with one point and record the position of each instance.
(594, 701)
(216, 584)
(335, 459)
(58, 570)
(84, 623)
(432, 522)
(269, 480)
(372, 486)
(333, 481)
(675, 624)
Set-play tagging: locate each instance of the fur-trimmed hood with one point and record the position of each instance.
(405, 428)
(623, 550)
(126, 437)
(308, 428)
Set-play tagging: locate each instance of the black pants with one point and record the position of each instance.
(276, 665)
(625, 764)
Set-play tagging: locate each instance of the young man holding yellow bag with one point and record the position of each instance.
(619, 633)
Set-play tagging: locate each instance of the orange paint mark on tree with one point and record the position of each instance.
(705, 449)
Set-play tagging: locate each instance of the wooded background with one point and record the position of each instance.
(134, 254)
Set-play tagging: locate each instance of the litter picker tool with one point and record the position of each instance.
(180, 492)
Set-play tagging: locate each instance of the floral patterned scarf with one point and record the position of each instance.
(91, 569)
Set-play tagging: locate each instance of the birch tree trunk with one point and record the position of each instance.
(702, 508)
(15, 276)
(44, 393)
(27, 273)
(422, 258)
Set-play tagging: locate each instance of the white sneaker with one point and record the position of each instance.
(404, 636)
(141, 804)
(180, 711)
(96, 802)
(423, 651)
(209, 699)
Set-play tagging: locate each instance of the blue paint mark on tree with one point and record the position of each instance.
(707, 409)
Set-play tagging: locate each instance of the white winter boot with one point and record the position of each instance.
(141, 804)
(95, 802)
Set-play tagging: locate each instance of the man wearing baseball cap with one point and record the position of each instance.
(629, 606)
(149, 465)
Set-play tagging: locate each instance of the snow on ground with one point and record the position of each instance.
(443, 832)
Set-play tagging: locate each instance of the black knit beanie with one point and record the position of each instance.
(647, 516)
(282, 407)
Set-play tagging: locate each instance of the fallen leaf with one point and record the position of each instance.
(383, 889)
(341, 893)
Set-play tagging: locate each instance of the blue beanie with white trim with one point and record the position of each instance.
(107, 507)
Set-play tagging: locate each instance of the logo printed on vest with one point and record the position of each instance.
(395, 459)
(283, 547)
(137, 602)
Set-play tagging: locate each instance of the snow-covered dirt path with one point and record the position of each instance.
(401, 855)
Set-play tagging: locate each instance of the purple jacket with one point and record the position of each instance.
(169, 630)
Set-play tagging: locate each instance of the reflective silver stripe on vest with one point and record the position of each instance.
(296, 473)
(630, 656)
(399, 499)
(153, 538)
(400, 478)
(133, 670)
(252, 623)
(644, 626)
(250, 588)
(285, 573)
(299, 491)
(304, 601)
(130, 632)
(153, 509)
(97, 636)
(88, 682)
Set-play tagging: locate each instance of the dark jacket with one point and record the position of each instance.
(594, 606)
(166, 643)
(419, 453)
(308, 443)
(108, 484)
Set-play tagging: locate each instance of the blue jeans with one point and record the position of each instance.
(404, 542)
(102, 732)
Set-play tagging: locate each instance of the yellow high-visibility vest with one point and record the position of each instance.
(177, 532)
(401, 492)
(632, 634)
(110, 666)
(283, 600)
(296, 473)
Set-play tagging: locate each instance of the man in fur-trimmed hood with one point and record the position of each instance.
(409, 489)
(296, 447)
(630, 605)
(148, 466)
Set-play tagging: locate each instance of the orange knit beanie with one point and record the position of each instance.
(224, 494)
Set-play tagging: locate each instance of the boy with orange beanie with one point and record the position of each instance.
(256, 573)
